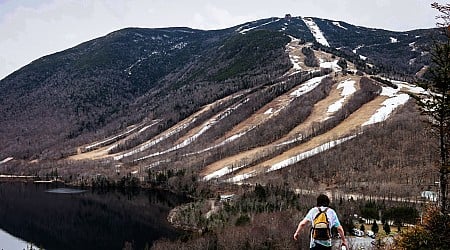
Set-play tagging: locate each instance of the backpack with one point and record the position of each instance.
(321, 229)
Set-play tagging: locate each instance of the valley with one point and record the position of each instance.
(251, 122)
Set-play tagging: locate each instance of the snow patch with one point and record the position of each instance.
(348, 88)
(357, 48)
(413, 46)
(243, 31)
(388, 91)
(269, 111)
(393, 40)
(6, 160)
(315, 30)
(179, 45)
(241, 177)
(388, 106)
(230, 139)
(221, 172)
(307, 154)
(356, 52)
(410, 87)
(330, 65)
(307, 86)
(338, 24)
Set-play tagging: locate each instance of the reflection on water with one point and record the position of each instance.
(84, 220)
(65, 191)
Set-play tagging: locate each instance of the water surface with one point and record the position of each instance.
(62, 218)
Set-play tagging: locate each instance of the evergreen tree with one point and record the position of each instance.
(387, 228)
(375, 228)
(438, 105)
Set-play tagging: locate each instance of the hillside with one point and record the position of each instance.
(229, 105)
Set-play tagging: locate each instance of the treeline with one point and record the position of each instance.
(371, 163)
(92, 102)
(265, 217)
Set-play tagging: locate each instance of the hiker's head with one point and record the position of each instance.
(323, 201)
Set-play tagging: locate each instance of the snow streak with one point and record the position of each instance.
(308, 86)
(294, 159)
(243, 31)
(388, 106)
(348, 88)
(315, 30)
(205, 127)
(339, 25)
(112, 139)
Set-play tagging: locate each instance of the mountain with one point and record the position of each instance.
(227, 104)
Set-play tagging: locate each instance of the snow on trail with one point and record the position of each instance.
(205, 127)
(223, 171)
(308, 86)
(338, 24)
(410, 87)
(330, 65)
(293, 49)
(307, 154)
(294, 159)
(154, 141)
(394, 100)
(6, 160)
(243, 31)
(388, 106)
(315, 30)
(241, 177)
(356, 52)
(348, 88)
(228, 140)
(269, 111)
(275, 107)
(114, 138)
(295, 60)
(280, 103)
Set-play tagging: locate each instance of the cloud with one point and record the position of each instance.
(214, 17)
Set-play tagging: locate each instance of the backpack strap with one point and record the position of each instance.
(320, 211)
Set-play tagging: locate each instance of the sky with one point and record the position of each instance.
(30, 29)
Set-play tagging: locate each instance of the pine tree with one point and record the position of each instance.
(387, 228)
(437, 107)
(375, 228)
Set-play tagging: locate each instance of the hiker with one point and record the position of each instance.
(321, 219)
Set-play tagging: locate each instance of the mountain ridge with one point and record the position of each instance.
(161, 98)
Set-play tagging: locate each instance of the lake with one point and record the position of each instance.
(55, 217)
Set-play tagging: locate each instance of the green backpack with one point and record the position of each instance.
(321, 229)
